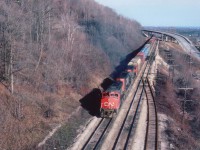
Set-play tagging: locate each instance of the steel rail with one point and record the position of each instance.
(87, 142)
(137, 108)
(148, 116)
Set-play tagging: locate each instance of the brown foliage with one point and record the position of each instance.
(60, 49)
(183, 132)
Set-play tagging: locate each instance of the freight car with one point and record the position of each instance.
(113, 96)
(137, 63)
(144, 52)
(125, 79)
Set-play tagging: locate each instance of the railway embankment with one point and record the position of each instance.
(177, 98)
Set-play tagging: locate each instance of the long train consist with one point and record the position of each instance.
(113, 96)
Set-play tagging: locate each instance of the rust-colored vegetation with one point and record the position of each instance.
(183, 130)
(52, 53)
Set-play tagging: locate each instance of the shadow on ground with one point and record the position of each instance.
(91, 102)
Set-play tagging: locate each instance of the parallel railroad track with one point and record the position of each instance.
(125, 135)
(151, 139)
(121, 140)
(97, 134)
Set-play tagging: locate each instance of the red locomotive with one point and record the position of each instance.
(110, 101)
(113, 96)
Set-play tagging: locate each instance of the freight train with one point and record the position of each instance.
(113, 96)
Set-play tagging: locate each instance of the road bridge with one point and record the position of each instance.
(160, 35)
(183, 41)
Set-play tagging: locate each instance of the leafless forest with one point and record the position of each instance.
(52, 52)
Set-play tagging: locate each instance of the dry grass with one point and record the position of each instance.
(181, 133)
(27, 117)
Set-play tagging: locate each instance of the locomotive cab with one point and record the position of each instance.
(110, 101)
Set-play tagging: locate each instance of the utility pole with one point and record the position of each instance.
(190, 62)
(169, 57)
(11, 71)
(172, 66)
(185, 100)
(170, 61)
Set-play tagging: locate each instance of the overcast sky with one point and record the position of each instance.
(158, 12)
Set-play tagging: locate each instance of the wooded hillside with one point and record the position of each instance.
(52, 52)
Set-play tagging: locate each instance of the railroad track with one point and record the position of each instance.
(97, 135)
(151, 139)
(103, 136)
(96, 138)
(125, 136)
(123, 139)
(126, 130)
